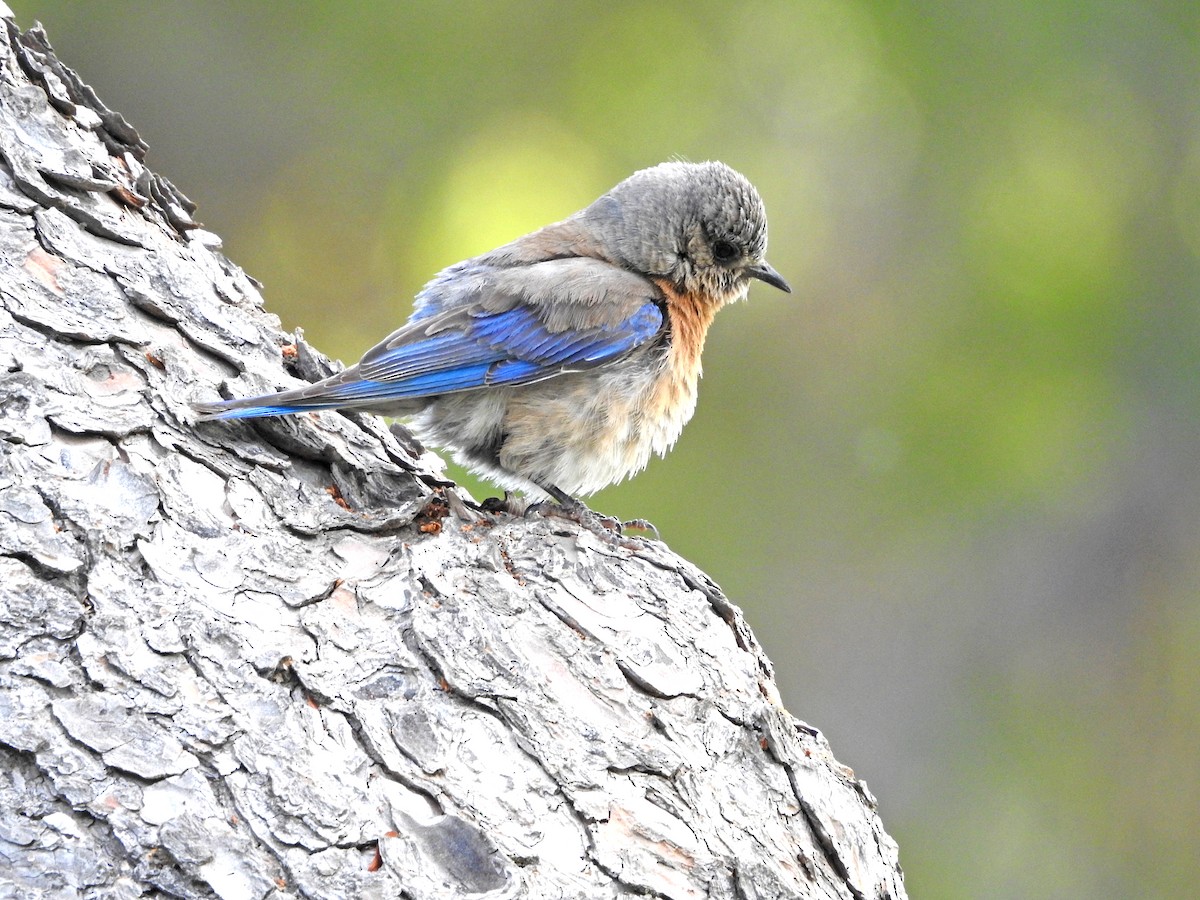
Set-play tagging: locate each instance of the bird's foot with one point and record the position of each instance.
(576, 511)
(568, 508)
(500, 505)
(641, 525)
(605, 526)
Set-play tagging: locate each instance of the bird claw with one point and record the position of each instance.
(641, 525)
(601, 525)
(496, 505)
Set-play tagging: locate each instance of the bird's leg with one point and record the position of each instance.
(576, 510)
(565, 500)
(567, 507)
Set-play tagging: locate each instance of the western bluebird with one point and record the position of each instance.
(558, 363)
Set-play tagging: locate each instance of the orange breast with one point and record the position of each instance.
(672, 399)
(689, 320)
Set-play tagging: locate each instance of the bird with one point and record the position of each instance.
(559, 363)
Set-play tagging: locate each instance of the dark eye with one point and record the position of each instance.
(724, 251)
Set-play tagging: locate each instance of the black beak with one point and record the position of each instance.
(764, 273)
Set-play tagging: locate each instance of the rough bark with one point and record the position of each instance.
(261, 660)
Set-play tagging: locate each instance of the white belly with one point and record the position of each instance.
(579, 432)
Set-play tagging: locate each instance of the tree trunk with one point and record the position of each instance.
(264, 660)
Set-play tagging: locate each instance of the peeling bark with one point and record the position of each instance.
(262, 660)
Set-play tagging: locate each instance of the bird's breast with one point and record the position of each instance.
(582, 431)
(671, 398)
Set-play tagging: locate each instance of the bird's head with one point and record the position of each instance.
(701, 226)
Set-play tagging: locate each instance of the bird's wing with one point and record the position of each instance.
(479, 325)
(503, 327)
(514, 326)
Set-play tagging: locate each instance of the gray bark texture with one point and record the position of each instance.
(265, 661)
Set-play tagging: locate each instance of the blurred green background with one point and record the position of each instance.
(954, 479)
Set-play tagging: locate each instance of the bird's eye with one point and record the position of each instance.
(724, 252)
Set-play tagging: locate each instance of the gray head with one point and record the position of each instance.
(701, 226)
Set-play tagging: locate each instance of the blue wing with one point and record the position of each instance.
(510, 347)
(496, 339)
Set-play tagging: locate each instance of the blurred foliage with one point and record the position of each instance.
(953, 479)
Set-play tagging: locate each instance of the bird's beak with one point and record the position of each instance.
(763, 272)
